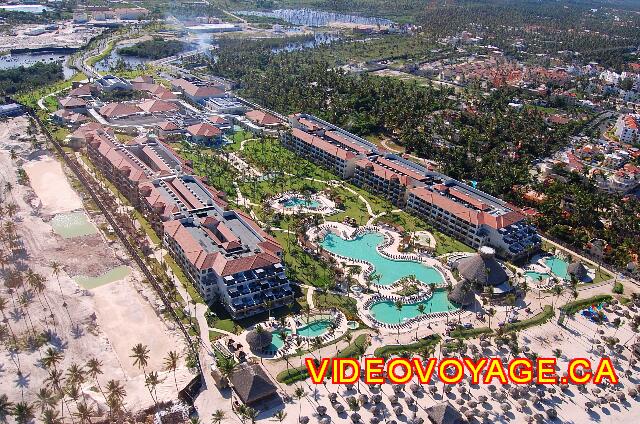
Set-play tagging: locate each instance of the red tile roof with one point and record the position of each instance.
(155, 106)
(203, 129)
(323, 144)
(262, 118)
(118, 110)
(73, 102)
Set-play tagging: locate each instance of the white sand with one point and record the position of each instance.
(50, 184)
(127, 319)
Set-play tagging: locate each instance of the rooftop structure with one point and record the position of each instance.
(474, 217)
(197, 92)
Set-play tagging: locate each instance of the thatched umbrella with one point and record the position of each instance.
(377, 398)
(611, 399)
(538, 417)
(303, 420)
(621, 396)
(463, 409)
(393, 399)
(522, 403)
(505, 406)
(363, 399)
(415, 388)
(472, 403)
(632, 392)
(333, 397)
(482, 398)
(589, 404)
(410, 401)
(460, 401)
(397, 388)
(338, 407)
(325, 420)
(596, 390)
(484, 414)
(552, 413)
(398, 409)
(355, 417)
(374, 420)
(552, 390)
(462, 389)
(433, 389)
(321, 410)
(491, 388)
(484, 343)
(468, 414)
(259, 339)
(534, 399)
(602, 400)
(448, 389)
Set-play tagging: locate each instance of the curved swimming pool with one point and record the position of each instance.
(386, 312)
(292, 202)
(364, 246)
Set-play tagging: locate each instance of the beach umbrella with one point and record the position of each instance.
(325, 420)
(463, 408)
(462, 389)
(397, 410)
(410, 401)
(589, 404)
(602, 400)
(491, 388)
(596, 390)
(374, 420)
(484, 414)
(355, 417)
(304, 420)
(505, 406)
(611, 399)
(522, 403)
(482, 398)
(448, 389)
(415, 388)
(552, 389)
(535, 399)
(468, 414)
(397, 388)
(620, 395)
(460, 401)
(472, 403)
(377, 398)
(552, 413)
(393, 399)
(433, 389)
(321, 410)
(632, 392)
(333, 397)
(338, 407)
(363, 399)
(538, 417)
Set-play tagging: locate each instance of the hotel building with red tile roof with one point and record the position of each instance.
(457, 209)
(226, 255)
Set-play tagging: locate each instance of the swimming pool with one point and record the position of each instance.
(292, 202)
(558, 267)
(314, 328)
(535, 276)
(276, 341)
(386, 312)
(390, 271)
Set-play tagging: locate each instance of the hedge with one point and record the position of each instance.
(578, 305)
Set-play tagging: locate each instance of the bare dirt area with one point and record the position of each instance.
(102, 323)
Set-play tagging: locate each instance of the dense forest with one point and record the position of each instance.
(21, 79)
(156, 48)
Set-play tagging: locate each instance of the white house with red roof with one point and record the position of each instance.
(197, 93)
(626, 128)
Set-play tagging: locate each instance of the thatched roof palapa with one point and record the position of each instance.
(444, 413)
(462, 294)
(252, 383)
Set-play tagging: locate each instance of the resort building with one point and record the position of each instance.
(626, 128)
(326, 145)
(197, 93)
(482, 271)
(229, 258)
(226, 255)
(455, 208)
(204, 133)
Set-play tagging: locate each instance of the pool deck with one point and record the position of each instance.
(390, 251)
(327, 206)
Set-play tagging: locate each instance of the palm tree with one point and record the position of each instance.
(217, 417)
(115, 397)
(44, 399)
(84, 413)
(23, 412)
(299, 393)
(75, 375)
(557, 291)
(140, 355)
(94, 369)
(171, 364)
(6, 407)
(398, 304)
(251, 414)
(280, 415)
(52, 358)
(51, 416)
(491, 312)
(422, 309)
(152, 381)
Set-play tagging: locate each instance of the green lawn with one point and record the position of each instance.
(580, 304)
(345, 304)
(463, 333)
(354, 350)
(177, 271)
(538, 319)
(429, 342)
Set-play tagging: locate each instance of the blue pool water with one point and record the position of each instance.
(387, 313)
(535, 276)
(364, 248)
(558, 267)
(314, 328)
(298, 201)
(276, 340)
